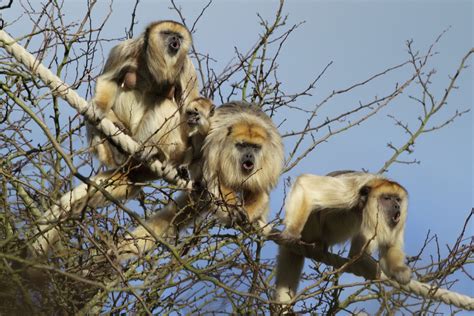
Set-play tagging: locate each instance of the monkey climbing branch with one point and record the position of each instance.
(89, 111)
(127, 144)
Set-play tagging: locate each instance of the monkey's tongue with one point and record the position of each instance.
(248, 165)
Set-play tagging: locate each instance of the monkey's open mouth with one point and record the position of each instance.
(193, 117)
(192, 121)
(247, 165)
(175, 44)
(396, 217)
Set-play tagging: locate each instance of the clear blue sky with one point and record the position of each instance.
(362, 38)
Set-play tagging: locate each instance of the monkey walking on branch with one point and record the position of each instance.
(368, 209)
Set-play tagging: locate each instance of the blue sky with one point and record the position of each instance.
(361, 38)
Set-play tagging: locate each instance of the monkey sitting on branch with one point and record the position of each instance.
(242, 158)
(146, 84)
(366, 208)
(146, 87)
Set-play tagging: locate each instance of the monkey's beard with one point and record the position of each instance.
(165, 70)
(249, 179)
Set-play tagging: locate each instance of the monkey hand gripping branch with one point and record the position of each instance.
(367, 209)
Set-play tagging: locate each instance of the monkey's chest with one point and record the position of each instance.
(151, 121)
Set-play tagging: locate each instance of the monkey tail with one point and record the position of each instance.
(288, 271)
(113, 182)
(140, 241)
(166, 222)
(48, 225)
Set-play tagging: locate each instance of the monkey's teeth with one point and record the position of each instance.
(247, 165)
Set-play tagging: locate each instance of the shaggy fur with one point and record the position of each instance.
(146, 85)
(232, 123)
(342, 206)
(223, 176)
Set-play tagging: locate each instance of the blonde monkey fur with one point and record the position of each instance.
(362, 207)
(146, 85)
(242, 158)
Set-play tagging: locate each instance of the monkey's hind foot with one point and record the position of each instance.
(401, 274)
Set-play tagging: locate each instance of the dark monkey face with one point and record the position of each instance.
(391, 207)
(248, 153)
(248, 139)
(199, 110)
(193, 117)
(172, 40)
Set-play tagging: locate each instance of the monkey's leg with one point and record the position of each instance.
(288, 272)
(114, 182)
(392, 262)
(103, 149)
(298, 210)
(225, 204)
(176, 214)
(365, 261)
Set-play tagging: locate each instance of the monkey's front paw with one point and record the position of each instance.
(167, 169)
(183, 173)
(121, 127)
(401, 274)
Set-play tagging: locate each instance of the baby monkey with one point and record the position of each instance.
(196, 124)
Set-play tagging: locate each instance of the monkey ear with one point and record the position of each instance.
(229, 130)
(365, 190)
(213, 108)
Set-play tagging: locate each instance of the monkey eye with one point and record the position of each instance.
(248, 145)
